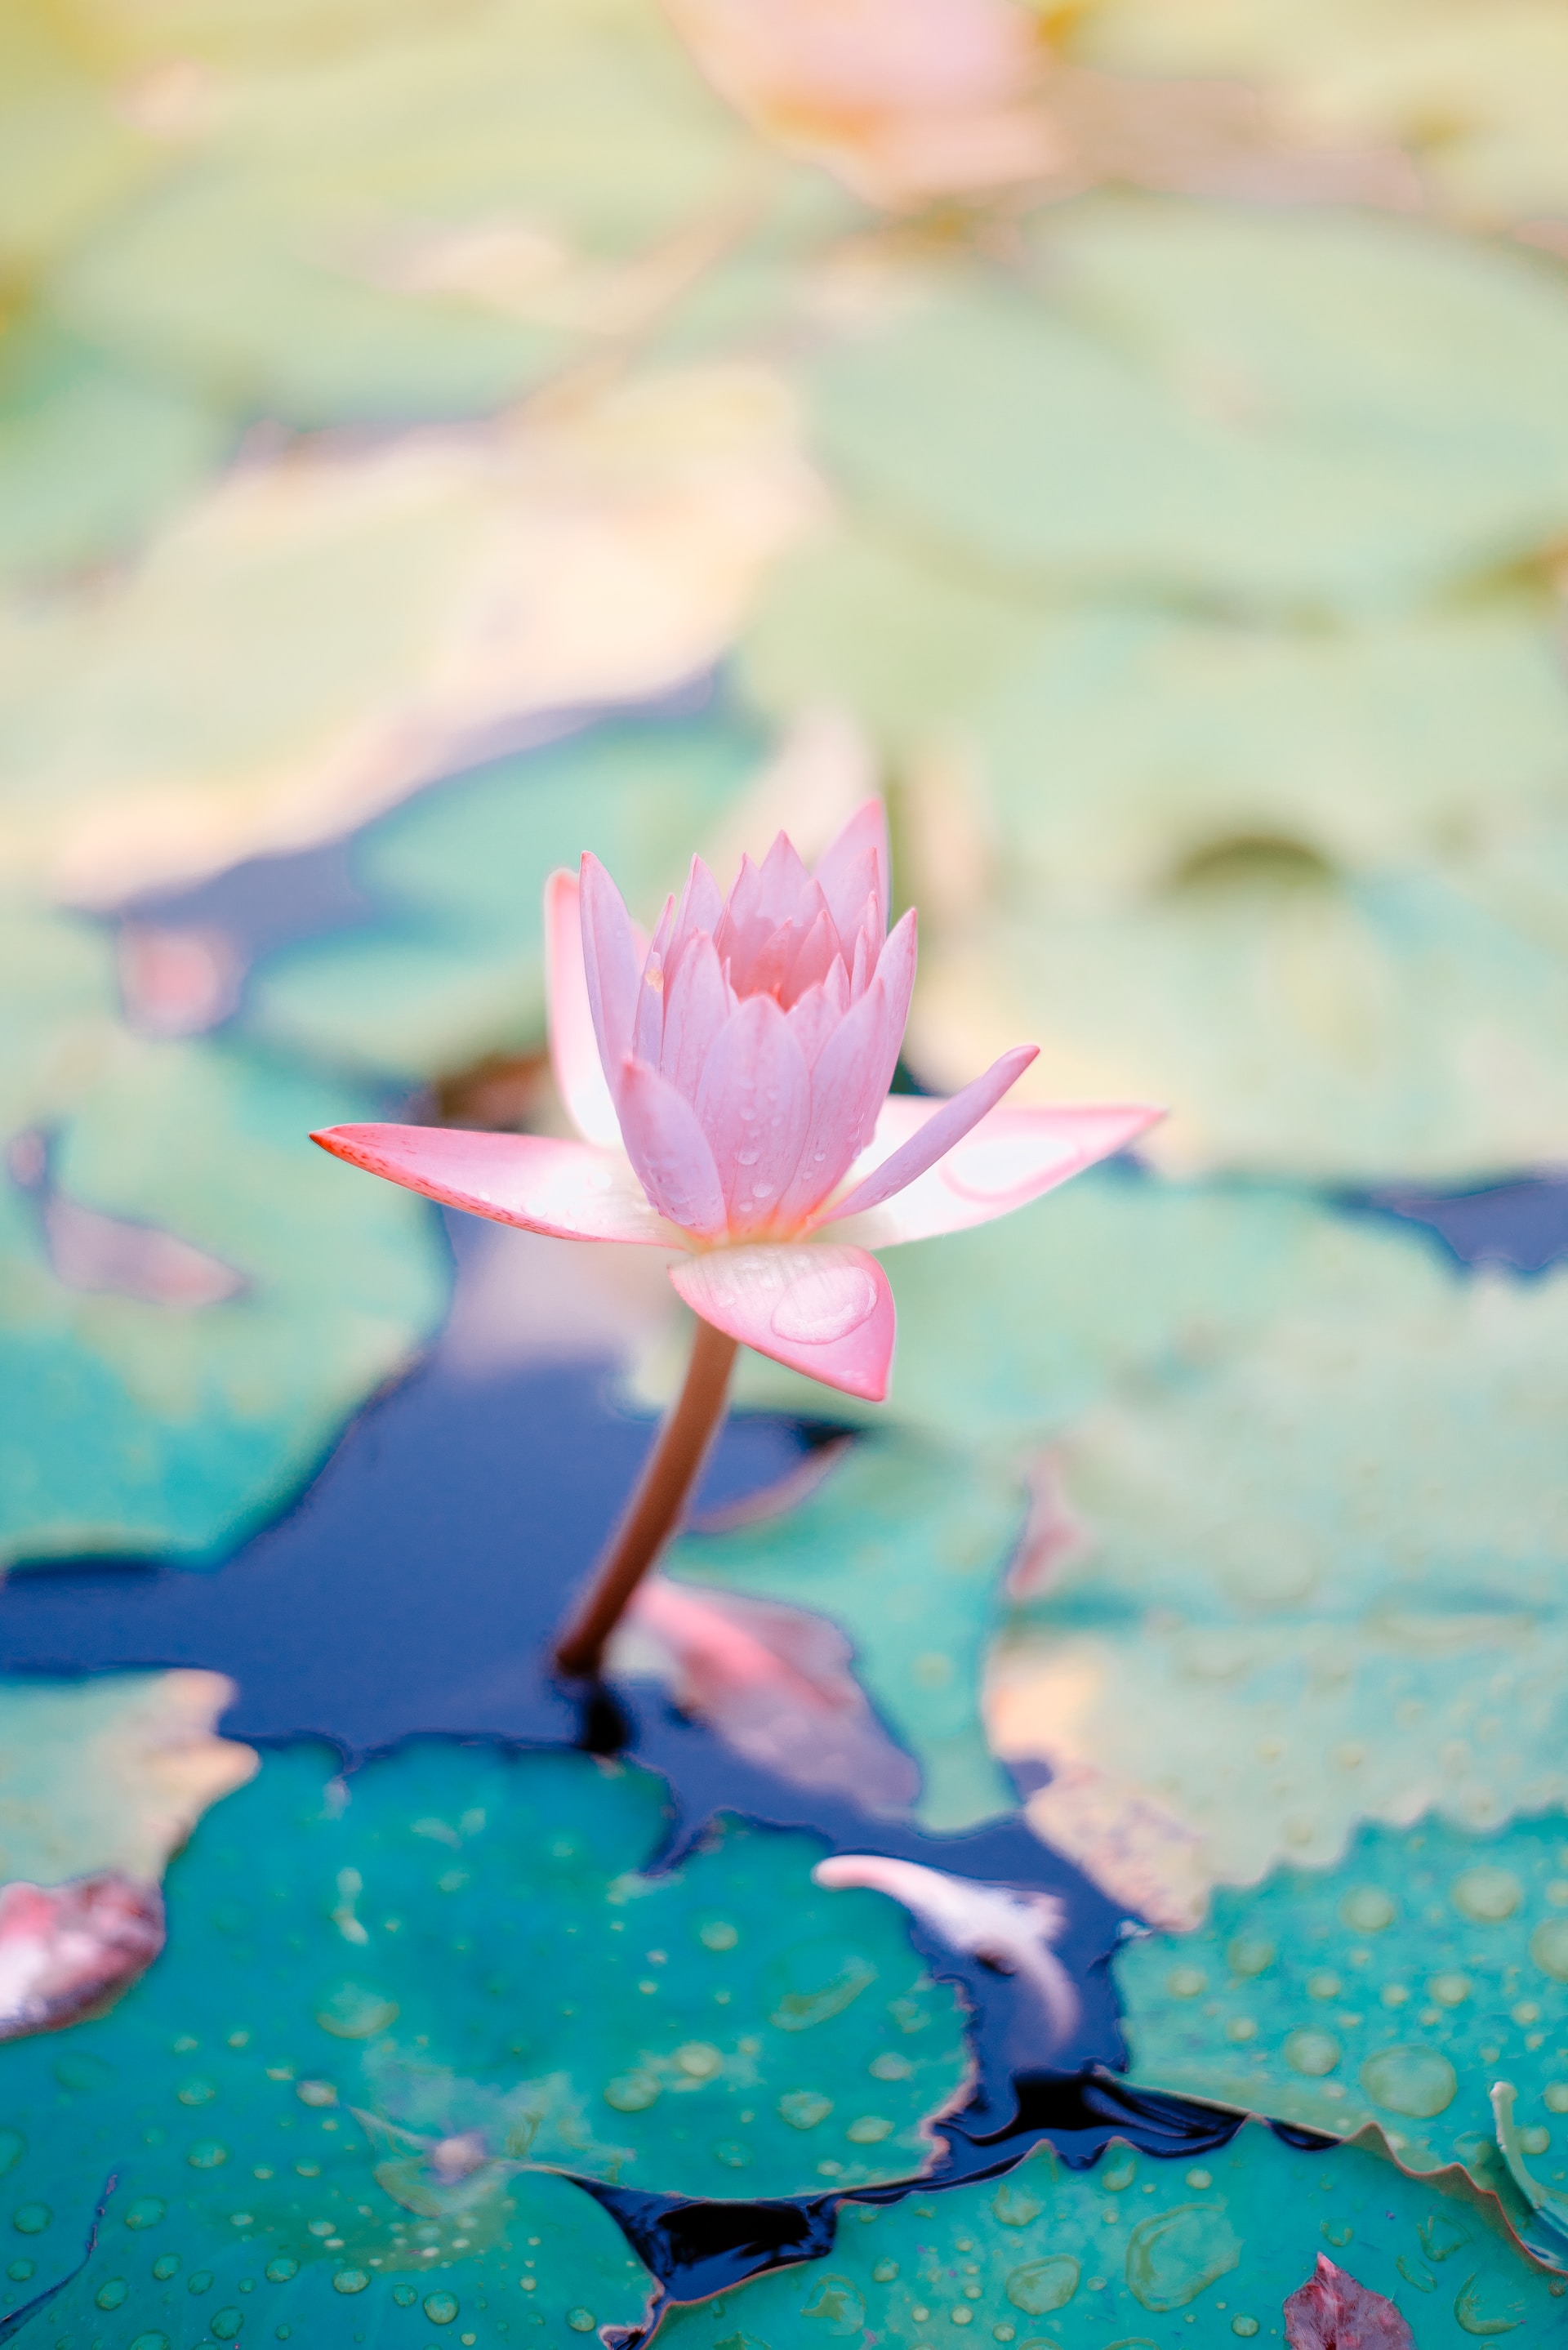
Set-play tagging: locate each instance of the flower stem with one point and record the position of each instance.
(668, 1477)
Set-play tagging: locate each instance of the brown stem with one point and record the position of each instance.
(666, 1479)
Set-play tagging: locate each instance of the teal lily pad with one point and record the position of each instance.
(415, 1989)
(1143, 2255)
(1206, 399)
(422, 223)
(904, 1547)
(1328, 1551)
(1396, 1989)
(454, 967)
(93, 453)
(195, 1302)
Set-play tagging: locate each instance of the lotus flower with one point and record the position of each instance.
(730, 1079)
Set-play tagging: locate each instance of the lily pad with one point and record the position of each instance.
(1333, 1549)
(193, 1305)
(1134, 2253)
(904, 1547)
(110, 1774)
(1400, 1025)
(421, 224)
(1207, 400)
(454, 969)
(1395, 1989)
(452, 1971)
(423, 601)
(92, 453)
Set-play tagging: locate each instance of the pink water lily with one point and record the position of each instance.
(730, 1077)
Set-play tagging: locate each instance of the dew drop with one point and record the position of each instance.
(581, 2321)
(822, 1306)
(207, 2154)
(405, 2295)
(631, 2093)
(1044, 2284)
(1450, 1990)
(1487, 1894)
(279, 2272)
(353, 2010)
(804, 2109)
(440, 2308)
(166, 2265)
(885, 2273)
(1324, 1984)
(110, 2293)
(13, 2147)
(1554, 2096)
(889, 2066)
(1250, 1954)
(315, 2093)
(1186, 1982)
(150, 2342)
(1245, 2326)
(1419, 2082)
(145, 2213)
(839, 2307)
(224, 2324)
(869, 2130)
(699, 2059)
(1014, 2206)
(350, 2281)
(718, 1934)
(1173, 2256)
(1549, 1947)
(31, 2218)
(200, 2281)
(20, 2270)
(1313, 2053)
(733, 2154)
(197, 2092)
(1367, 1909)
(1337, 2232)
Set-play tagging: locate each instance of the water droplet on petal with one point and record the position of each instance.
(1411, 2080)
(1487, 1894)
(820, 1306)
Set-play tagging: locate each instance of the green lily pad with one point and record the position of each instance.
(1140, 2253)
(1395, 1989)
(112, 1772)
(92, 453)
(1206, 399)
(151, 1406)
(903, 1547)
(451, 1972)
(1336, 1549)
(455, 969)
(1360, 1027)
(419, 224)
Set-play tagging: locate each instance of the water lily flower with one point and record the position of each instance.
(730, 1079)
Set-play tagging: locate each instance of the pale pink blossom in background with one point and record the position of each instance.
(730, 1077)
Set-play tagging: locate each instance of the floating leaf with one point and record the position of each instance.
(1335, 1548)
(1394, 1989)
(456, 968)
(422, 223)
(421, 602)
(453, 1966)
(92, 453)
(1207, 400)
(192, 1304)
(1133, 2252)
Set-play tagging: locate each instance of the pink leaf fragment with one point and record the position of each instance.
(566, 1188)
(1331, 2311)
(775, 1683)
(826, 1311)
(67, 1950)
(1010, 1157)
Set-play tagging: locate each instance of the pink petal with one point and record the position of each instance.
(566, 1188)
(648, 1021)
(850, 1078)
(698, 1002)
(936, 1135)
(702, 904)
(777, 1684)
(813, 958)
(667, 1146)
(783, 879)
(840, 871)
(754, 1104)
(574, 1047)
(826, 1311)
(612, 964)
(1010, 1157)
(814, 1016)
(1333, 2311)
(67, 1950)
